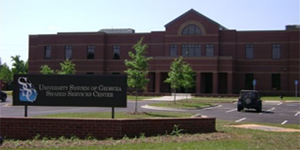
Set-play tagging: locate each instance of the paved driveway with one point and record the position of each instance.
(273, 112)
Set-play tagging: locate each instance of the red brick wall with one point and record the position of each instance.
(229, 52)
(27, 128)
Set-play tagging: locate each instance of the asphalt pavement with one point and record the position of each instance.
(272, 112)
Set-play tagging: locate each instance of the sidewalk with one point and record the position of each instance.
(162, 108)
(179, 96)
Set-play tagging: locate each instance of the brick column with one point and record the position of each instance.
(198, 82)
(229, 82)
(157, 82)
(215, 82)
(179, 53)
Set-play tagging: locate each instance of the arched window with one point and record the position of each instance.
(191, 30)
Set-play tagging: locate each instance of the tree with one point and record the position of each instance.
(19, 66)
(180, 75)
(175, 75)
(188, 77)
(5, 74)
(67, 67)
(137, 68)
(45, 69)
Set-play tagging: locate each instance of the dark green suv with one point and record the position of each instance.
(249, 99)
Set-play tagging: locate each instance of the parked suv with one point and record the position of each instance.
(3, 96)
(249, 99)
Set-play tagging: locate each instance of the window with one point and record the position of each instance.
(191, 30)
(209, 50)
(68, 52)
(249, 51)
(90, 52)
(191, 50)
(116, 52)
(173, 50)
(47, 52)
(276, 51)
(275, 81)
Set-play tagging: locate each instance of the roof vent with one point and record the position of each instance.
(292, 27)
(117, 31)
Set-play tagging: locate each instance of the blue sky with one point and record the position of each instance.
(20, 18)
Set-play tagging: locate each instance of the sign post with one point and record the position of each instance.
(113, 113)
(25, 111)
(254, 83)
(296, 91)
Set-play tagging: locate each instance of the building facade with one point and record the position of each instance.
(225, 61)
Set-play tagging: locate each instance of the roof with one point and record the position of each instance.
(197, 13)
(119, 30)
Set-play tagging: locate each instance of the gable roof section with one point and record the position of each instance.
(197, 13)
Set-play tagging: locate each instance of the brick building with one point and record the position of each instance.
(224, 60)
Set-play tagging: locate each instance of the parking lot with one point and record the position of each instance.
(272, 111)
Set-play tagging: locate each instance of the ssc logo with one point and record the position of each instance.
(27, 91)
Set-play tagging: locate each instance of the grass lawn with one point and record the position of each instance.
(190, 104)
(277, 98)
(224, 99)
(227, 138)
(194, 103)
(8, 92)
(118, 115)
(231, 99)
(202, 102)
(215, 99)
